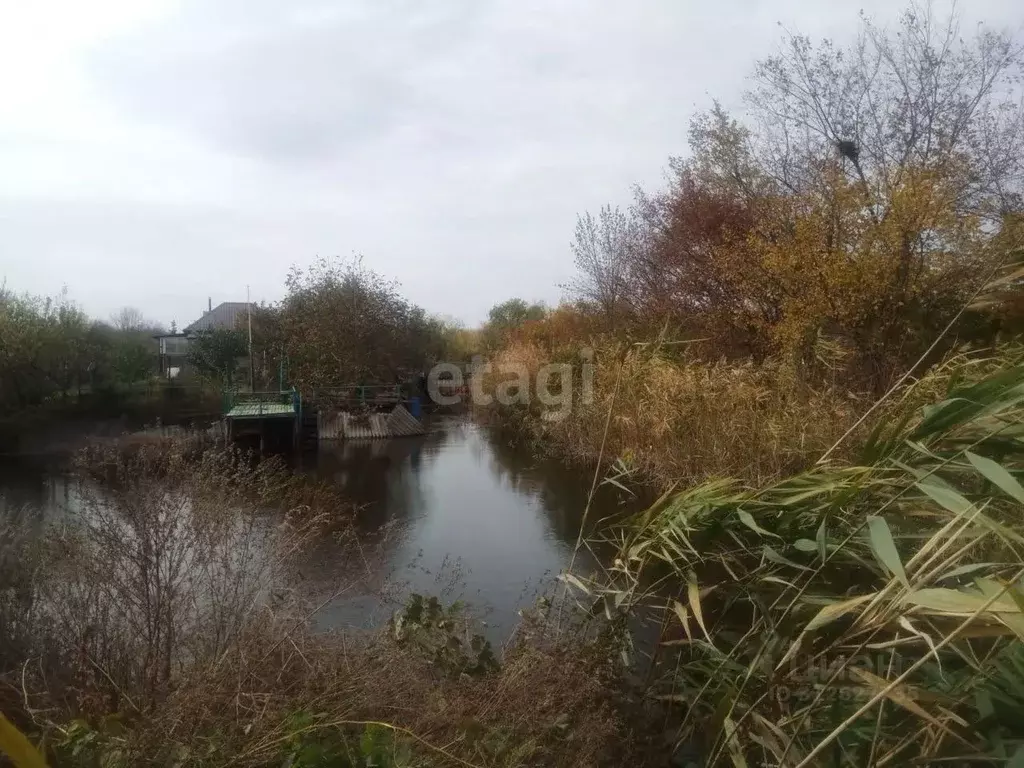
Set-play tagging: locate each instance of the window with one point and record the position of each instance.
(173, 345)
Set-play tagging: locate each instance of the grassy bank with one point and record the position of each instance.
(59, 423)
(827, 589)
(670, 417)
(860, 612)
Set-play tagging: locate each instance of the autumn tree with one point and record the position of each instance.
(893, 103)
(902, 155)
(858, 205)
(664, 261)
(607, 250)
(345, 324)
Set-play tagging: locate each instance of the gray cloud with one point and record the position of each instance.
(286, 81)
(451, 143)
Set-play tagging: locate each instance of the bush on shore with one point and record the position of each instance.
(155, 624)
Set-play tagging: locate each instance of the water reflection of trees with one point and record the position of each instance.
(383, 476)
(561, 490)
(397, 481)
(37, 491)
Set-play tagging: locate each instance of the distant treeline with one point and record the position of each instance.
(50, 350)
(340, 323)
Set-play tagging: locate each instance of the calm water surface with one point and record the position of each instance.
(457, 513)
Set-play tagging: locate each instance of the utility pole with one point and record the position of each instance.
(252, 369)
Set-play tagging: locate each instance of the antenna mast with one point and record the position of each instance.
(252, 371)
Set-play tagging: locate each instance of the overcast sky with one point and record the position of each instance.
(155, 153)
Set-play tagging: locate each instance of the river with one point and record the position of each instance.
(457, 513)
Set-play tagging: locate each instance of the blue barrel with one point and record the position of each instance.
(414, 407)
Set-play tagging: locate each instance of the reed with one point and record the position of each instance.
(864, 611)
(677, 418)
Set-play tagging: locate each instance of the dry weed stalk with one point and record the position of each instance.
(684, 420)
(162, 632)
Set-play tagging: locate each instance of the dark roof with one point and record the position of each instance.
(224, 316)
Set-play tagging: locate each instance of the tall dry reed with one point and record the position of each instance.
(676, 419)
(862, 612)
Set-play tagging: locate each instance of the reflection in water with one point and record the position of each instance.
(562, 491)
(379, 474)
(476, 519)
(456, 512)
(35, 491)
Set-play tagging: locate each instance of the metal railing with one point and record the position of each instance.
(360, 394)
(279, 397)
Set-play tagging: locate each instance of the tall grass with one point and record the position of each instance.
(860, 612)
(678, 418)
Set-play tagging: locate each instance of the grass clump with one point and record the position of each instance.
(861, 612)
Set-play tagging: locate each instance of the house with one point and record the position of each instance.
(227, 315)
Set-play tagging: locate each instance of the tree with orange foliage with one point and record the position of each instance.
(862, 208)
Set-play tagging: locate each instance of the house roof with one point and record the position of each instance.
(224, 316)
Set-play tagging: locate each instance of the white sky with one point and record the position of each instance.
(154, 153)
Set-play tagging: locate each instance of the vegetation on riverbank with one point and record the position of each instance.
(811, 341)
(862, 613)
(676, 418)
(159, 622)
(798, 264)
